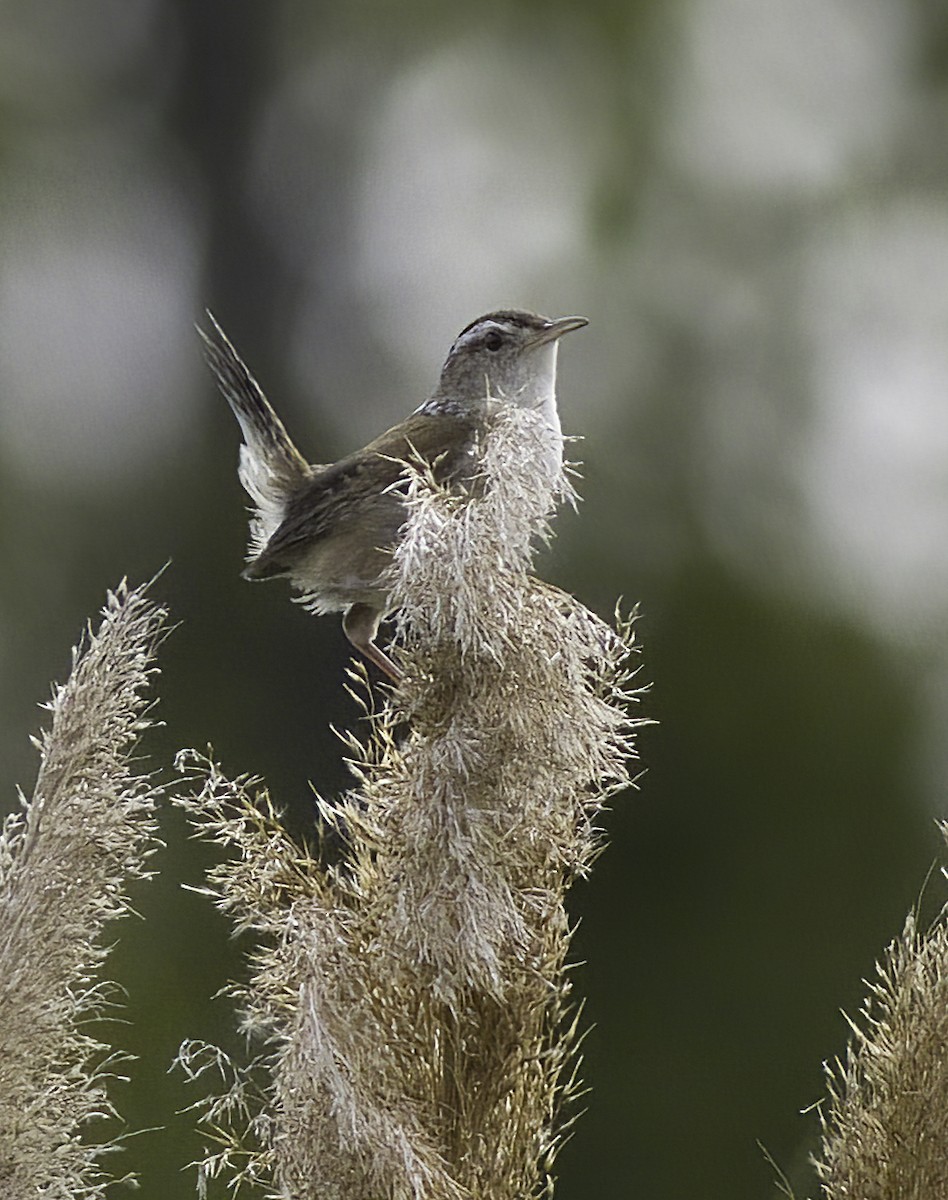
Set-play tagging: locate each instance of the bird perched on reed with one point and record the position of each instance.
(331, 529)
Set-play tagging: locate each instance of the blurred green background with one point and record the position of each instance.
(749, 200)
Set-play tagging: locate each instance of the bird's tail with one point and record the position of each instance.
(271, 468)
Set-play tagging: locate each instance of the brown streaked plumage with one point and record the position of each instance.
(331, 529)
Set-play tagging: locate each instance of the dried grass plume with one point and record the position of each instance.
(66, 860)
(885, 1121)
(410, 1005)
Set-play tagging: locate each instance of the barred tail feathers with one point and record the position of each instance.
(270, 467)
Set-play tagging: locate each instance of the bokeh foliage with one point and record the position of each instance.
(275, 161)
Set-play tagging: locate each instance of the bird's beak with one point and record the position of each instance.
(555, 329)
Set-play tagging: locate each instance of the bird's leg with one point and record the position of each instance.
(360, 625)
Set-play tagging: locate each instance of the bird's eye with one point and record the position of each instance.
(493, 340)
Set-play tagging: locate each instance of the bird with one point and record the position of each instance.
(331, 528)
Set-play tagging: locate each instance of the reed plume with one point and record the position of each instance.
(410, 1003)
(67, 858)
(885, 1120)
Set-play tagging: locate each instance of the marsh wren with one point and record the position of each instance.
(331, 529)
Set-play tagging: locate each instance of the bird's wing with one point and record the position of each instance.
(343, 492)
(271, 468)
